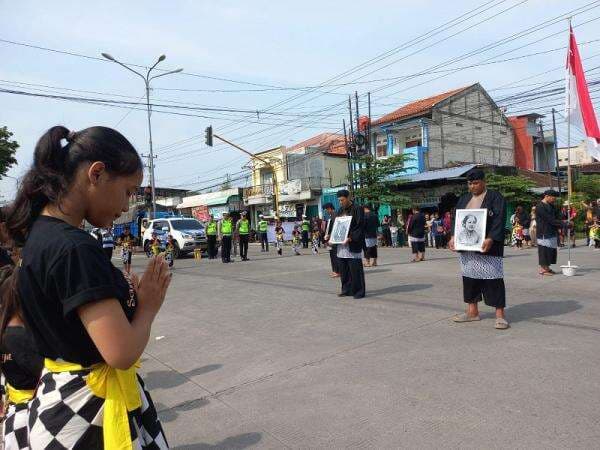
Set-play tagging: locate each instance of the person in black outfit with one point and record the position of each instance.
(548, 226)
(483, 272)
(86, 316)
(21, 364)
(335, 269)
(350, 252)
(371, 226)
(416, 235)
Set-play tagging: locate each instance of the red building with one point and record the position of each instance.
(531, 151)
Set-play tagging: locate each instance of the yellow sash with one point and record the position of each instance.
(120, 392)
(18, 396)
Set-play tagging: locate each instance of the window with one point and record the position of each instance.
(186, 224)
(478, 128)
(159, 224)
(458, 124)
(503, 133)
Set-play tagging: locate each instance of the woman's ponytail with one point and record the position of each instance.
(10, 304)
(44, 183)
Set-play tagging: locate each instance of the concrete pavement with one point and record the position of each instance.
(263, 354)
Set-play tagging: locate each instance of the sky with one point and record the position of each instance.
(268, 68)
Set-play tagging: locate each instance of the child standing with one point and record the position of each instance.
(126, 243)
(315, 238)
(296, 240)
(279, 236)
(155, 245)
(170, 250)
(518, 235)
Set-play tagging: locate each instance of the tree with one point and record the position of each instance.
(515, 189)
(378, 179)
(589, 186)
(8, 149)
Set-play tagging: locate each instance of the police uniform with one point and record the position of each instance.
(305, 230)
(226, 235)
(211, 237)
(243, 230)
(263, 226)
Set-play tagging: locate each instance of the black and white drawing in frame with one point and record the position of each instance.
(339, 232)
(469, 229)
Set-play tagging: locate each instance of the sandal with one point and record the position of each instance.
(501, 324)
(463, 318)
(548, 273)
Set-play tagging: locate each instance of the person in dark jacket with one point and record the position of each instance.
(483, 272)
(416, 235)
(371, 226)
(350, 252)
(335, 269)
(548, 227)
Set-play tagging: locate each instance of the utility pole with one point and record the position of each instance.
(547, 156)
(351, 139)
(556, 150)
(349, 158)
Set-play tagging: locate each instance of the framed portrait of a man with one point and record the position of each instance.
(341, 227)
(469, 229)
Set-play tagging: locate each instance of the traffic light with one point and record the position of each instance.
(208, 136)
(362, 144)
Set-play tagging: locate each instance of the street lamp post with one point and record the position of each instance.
(147, 79)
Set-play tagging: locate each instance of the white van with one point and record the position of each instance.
(189, 234)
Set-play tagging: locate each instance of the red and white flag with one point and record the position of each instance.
(579, 109)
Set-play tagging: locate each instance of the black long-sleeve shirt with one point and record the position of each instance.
(371, 225)
(547, 224)
(496, 205)
(416, 227)
(356, 233)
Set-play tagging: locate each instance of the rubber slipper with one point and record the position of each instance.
(463, 318)
(501, 324)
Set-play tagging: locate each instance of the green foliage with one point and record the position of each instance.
(377, 179)
(515, 189)
(588, 186)
(8, 149)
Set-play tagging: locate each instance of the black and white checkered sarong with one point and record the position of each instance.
(15, 428)
(66, 414)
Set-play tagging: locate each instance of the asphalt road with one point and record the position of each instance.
(263, 354)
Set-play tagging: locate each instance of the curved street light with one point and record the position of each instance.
(147, 78)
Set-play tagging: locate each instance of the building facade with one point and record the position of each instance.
(578, 155)
(534, 145)
(461, 126)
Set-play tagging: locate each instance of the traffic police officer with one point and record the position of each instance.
(305, 230)
(242, 228)
(226, 233)
(211, 236)
(263, 226)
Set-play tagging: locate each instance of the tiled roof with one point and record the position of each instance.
(330, 142)
(417, 107)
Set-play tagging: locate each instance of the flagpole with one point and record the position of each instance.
(569, 185)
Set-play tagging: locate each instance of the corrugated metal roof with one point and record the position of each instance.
(440, 174)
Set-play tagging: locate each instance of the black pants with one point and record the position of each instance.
(108, 251)
(305, 239)
(226, 249)
(417, 247)
(491, 291)
(547, 256)
(264, 241)
(335, 265)
(244, 246)
(212, 246)
(439, 240)
(387, 237)
(352, 277)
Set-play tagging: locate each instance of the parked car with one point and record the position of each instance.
(189, 234)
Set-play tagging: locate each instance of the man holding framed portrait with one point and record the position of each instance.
(349, 234)
(478, 236)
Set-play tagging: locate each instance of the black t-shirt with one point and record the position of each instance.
(62, 269)
(21, 362)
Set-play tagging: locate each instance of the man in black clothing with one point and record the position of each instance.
(483, 272)
(416, 235)
(371, 226)
(335, 269)
(350, 252)
(547, 231)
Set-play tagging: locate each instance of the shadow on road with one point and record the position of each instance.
(398, 288)
(539, 310)
(166, 379)
(170, 414)
(234, 442)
